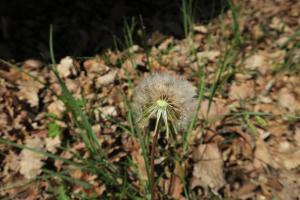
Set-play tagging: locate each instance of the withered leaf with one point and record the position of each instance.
(208, 169)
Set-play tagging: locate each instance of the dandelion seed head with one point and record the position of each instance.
(170, 94)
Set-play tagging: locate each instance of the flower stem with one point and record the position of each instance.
(152, 157)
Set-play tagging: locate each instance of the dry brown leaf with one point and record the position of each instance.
(276, 57)
(65, 66)
(3, 120)
(255, 61)
(32, 64)
(208, 169)
(200, 28)
(139, 159)
(291, 185)
(52, 144)
(107, 78)
(245, 192)
(287, 100)
(242, 91)
(263, 61)
(128, 66)
(263, 155)
(210, 55)
(31, 162)
(11, 163)
(281, 41)
(108, 111)
(217, 110)
(164, 45)
(177, 185)
(283, 155)
(57, 108)
(133, 146)
(95, 67)
(257, 31)
(286, 155)
(133, 49)
(178, 188)
(288, 160)
(29, 91)
(297, 136)
(276, 23)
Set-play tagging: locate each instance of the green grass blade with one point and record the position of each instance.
(89, 137)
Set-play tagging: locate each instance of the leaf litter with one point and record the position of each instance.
(245, 147)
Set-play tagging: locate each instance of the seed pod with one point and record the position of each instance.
(166, 96)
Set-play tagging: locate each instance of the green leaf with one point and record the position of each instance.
(53, 129)
(261, 121)
(62, 193)
(81, 102)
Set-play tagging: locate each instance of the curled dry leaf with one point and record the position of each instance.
(108, 111)
(107, 78)
(32, 64)
(31, 162)
(52, 144)
(210, 55)
(3, 120)
(200, 29)
(65, 66)
(164, 45)
(129, 65)
(208, 167)
(95, 67)
(29, 91)
(57, 108)
(11, 163)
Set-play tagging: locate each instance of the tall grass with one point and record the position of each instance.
(230, 54)
(97, 164)
(81, 120)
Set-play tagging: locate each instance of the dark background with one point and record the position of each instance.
(87, 27)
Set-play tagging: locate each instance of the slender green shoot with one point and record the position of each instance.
(188, 17)
(89, 137)
(62, 193)
(230, 55)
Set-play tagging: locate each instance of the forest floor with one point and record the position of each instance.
(80, 141)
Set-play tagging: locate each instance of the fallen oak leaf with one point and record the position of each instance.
(65, 66)
(208, 169)
(107, 78)
(287, 100)
(28, 90)
(52, 144)
(31, 162)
